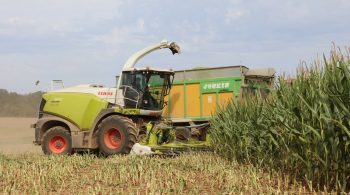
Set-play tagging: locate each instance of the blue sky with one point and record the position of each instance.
(88, 41)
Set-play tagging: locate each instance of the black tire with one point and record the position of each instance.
(57, 140)
(116, 135)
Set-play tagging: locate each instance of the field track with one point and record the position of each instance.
(16, 136)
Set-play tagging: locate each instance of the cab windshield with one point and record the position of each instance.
(146, 89)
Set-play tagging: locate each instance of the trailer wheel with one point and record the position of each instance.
(116, 135)
(57, 140)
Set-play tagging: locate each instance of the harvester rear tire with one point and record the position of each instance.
(57, 140)
(116, 135)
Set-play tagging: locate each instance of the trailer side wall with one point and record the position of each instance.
(196, 94)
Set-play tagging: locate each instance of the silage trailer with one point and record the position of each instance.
(197, 93)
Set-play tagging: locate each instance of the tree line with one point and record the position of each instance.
(16, 105)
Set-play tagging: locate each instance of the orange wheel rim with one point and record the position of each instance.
(57, 144)
(113, 138)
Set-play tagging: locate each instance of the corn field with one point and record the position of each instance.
(302, 128)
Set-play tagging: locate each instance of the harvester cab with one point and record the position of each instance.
(145, 88)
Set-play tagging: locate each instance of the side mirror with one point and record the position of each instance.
(170, 83)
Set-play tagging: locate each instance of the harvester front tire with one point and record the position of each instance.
(57, 140)
(116, 135)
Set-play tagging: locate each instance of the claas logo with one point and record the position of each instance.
(105, 93)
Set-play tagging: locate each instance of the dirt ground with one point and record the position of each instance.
(16, 136)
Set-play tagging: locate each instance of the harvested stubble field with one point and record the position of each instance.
(24, 170)
(203, 173)
(16, 136)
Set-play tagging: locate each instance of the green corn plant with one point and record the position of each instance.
(302, 128)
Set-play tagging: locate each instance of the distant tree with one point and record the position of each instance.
(199, 67)
(17, 105)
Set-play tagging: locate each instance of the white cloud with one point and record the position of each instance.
(119, 38)
(41, 17)
(141, 24)
(235, 2)
(234, 14)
